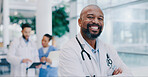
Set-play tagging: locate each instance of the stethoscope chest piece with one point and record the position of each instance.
(109, 61)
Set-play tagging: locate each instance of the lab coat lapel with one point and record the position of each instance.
(92, 64)
(88, 50)
(27, 48)
(23, 44)
(102, 54)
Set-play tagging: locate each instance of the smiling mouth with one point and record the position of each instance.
(94, 27)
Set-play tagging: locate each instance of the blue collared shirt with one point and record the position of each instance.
(92, 49)
(95, 51)
(26, 41)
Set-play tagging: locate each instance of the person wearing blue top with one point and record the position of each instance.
(47, 70)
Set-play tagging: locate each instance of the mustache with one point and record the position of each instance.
(89, 25)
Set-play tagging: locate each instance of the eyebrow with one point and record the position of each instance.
(90, 14)
(93, 14)
(101, 16)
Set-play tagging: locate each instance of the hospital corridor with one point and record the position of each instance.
(46, 38)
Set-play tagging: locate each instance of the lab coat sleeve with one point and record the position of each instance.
(69, 64)
(36, 54)
(11, 57)
(119, 63)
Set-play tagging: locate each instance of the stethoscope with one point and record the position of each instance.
(108, 60)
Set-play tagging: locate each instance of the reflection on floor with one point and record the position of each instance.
(137, 72)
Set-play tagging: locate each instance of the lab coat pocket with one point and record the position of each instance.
(33, 51)
(20, 52)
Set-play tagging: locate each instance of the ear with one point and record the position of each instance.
(79, 22)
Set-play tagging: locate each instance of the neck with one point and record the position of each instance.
(91, 42)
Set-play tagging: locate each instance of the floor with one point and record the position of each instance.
(137, 72)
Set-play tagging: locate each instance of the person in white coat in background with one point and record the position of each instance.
(86, 55)
(22, 53)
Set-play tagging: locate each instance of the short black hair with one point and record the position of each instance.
(25, 25)
(49, 36)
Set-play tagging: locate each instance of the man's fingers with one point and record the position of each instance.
(28, 60)
(117, 71)
(114, 73)
(120, 71)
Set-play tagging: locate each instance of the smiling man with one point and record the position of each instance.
(85, 54)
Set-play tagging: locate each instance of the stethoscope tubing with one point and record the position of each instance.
(109, 61)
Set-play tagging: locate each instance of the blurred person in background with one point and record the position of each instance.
(47, 70)
(22, 53)
(86, 55)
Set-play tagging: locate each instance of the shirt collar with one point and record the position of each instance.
(26, 41)
(92, 49)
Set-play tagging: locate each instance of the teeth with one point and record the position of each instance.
(94, 27)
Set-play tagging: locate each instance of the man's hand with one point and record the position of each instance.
(43, 59)
(26, 60)
(49, 60)
(117, 71)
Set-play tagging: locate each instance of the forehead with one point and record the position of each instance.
(92, 11)
(44, 37)
(27, 29)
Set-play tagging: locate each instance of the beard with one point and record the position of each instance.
(90, 35)
(25, 37)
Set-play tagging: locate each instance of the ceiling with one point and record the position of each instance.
(27, 8)
(24, 7)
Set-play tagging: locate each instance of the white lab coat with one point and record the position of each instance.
(72, 64)
(18, 51)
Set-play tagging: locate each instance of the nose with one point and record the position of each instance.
(28, 34)
(95, 20)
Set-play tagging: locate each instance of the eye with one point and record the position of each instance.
(100, 18)
(90, 17)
